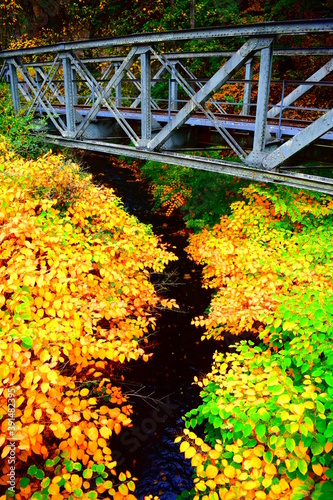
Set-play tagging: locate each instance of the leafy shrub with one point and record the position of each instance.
(24, 136)
(201, 196)
(75, 304)
(267, 410)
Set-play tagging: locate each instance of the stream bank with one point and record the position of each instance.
(161, 389)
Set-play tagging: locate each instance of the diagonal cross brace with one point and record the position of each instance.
(52, 86)
(200, 85)
(39, 94)
(209, 114)
(138, 86)
(117, 77)
(302, 89)
(220, 77)
(299, 141)
(94, 84)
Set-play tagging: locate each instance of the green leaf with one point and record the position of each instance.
(100, 468)
(92, 494)
(37, 495)
(302, 467)
(268, 457)
(247, 429)
(329, 379)
(69, 466)
(260, 430)
(316, 448)
(26, 342)
(77, 466)
(39, 474)
(78, 492)
(24, 482)
(32, 470)
(99, 480)
(290, 443)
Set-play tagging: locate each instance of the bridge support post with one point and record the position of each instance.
(14, 88)
(247, 88)
(145, 98)
(74, 84)
(38, 85)
(174, 87)
(261, 134)
(118, 87)
(69, 97)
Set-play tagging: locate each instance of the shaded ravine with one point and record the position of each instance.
(161, 389)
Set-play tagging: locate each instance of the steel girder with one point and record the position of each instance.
(274, 29)
(302, 181)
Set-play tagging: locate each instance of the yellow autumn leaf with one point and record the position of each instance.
(184, 445)
(211, 471)
(270, 469)
(76, 432)
(92, 433)
(256, 462)
(190, 452)
(60, 430)
(84, 392)
(317, 469)
(229, 471)
(57, 304)
(283, 399)
(33, 429)
(5, 451)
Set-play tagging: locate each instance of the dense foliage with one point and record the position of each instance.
(76, 303)
(201, 196)
(267, 409)
(23, 135)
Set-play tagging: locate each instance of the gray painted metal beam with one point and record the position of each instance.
(69, 97)
(220, 77)
(265, 29)
(299, 141)
(302, 89)
(145, 98)
(303, 181)
(118, 87)
(260, 133)
(14, 88)
(247, 88)
(174, 87)
(299, 52)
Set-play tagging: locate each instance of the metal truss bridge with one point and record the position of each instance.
(138, 96)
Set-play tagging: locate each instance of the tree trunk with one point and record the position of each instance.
(192, 10)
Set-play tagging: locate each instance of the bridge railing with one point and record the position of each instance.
(152, 96)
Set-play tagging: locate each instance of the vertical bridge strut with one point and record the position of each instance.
(149, 101)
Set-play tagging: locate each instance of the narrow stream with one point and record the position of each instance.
(161, 388)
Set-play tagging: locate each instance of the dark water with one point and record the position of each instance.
(161, 388)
